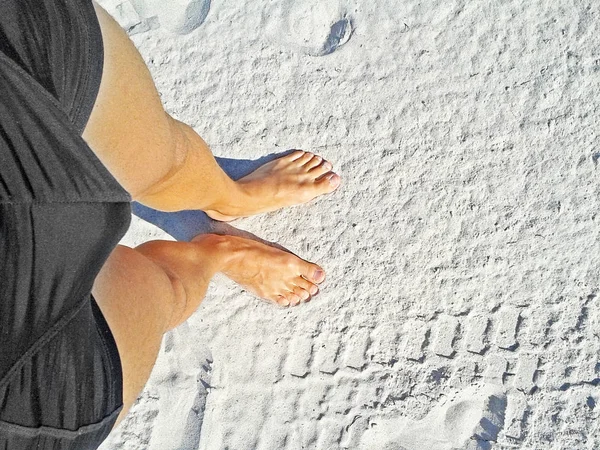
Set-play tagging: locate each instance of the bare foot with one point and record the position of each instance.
(268, 272)
(290, 180)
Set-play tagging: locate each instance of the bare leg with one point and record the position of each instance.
(147, 291)
(296, 178)
(164, 164)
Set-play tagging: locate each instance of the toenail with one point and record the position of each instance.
(333, 179)
(327, 166)
(314, 290)
(319, 274)
(285, 303)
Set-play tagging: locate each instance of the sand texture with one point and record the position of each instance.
(462, 304)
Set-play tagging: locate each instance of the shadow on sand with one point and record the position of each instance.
(184, 225)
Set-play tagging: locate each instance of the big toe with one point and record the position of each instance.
(314, 273)
(329, 182)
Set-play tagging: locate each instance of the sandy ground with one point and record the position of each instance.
(462, 305)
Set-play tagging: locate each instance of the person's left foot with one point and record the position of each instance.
(268, 272)
(290, 180)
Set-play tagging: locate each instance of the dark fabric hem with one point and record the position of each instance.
(56, 432)
(112, 353)
(40, 343)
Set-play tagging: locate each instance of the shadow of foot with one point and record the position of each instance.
(185, 225)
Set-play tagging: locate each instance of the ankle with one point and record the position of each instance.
(235, 201)
(216, 248)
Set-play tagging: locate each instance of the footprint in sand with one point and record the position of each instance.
(177, 16)
(313, 27)
(474, 413)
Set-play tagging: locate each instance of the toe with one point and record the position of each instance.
(309, 287)
(293, 156)
(330, 181)
(293, 299)
(314, 273)
(303, 294)
(313, 162)
(282, 301)
(321, 169)
(304, 159)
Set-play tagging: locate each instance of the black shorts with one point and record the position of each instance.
(61, 215)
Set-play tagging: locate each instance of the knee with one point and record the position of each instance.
(171, 294)
(175, 148)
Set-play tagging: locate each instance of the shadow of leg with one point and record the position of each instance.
(185, 225)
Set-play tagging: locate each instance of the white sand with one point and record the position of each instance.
(463, 249)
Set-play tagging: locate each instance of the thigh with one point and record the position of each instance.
(134, 295)
(128, 128)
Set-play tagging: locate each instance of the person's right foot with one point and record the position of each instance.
(268, 272)
(289, 180)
